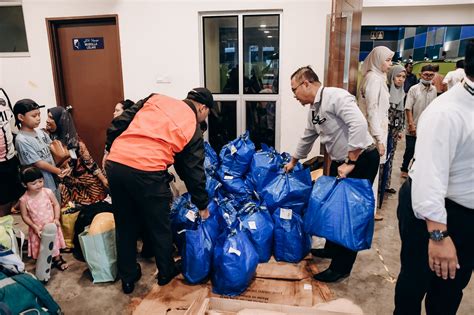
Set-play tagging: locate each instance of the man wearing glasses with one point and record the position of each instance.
(335, 117)
(418, 98)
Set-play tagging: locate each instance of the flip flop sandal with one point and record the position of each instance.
(60, 263)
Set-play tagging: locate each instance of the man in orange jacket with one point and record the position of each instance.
(144, 141)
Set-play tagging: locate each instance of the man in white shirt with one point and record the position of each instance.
(335, 117)
(456, 76)
(435, 211)
(418, 98)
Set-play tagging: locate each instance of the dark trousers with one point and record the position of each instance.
(409, 152)
(141, 197)
(416, 278)
(366, 167)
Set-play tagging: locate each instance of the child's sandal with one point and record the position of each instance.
(59, 263)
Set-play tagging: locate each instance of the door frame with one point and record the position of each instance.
(52, 25)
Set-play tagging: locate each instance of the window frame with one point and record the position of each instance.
(241, 99)
(16, 54)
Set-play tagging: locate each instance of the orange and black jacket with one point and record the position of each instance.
(158, 132)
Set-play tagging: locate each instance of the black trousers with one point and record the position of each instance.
(409, 152)
(416, 278)
(366, 167)
(141, 197)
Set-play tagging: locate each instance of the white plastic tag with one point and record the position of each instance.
(286, 214)
(191, 216)
(228, 177)
(252, 225)
(233, 150)
(308, 286)
(234, 251)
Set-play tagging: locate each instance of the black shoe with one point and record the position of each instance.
(128, 287)
(330, 276)
(165, 280)
(320, 252)
(390, 191)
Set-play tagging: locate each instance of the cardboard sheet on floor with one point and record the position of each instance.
(177, 297)
(282, 270)
(299, 293)
(173, 299)
(218, 306)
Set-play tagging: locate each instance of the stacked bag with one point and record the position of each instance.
(255, 210)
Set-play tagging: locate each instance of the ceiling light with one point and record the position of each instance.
(269, 36)
(263, 25)
(266, 32)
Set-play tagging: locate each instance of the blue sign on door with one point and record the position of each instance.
(90, 43)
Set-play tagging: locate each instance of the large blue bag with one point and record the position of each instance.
(342, 211)
(237, 155)
(199, 249)
(259, 225)
(234, 263)
(291, 243)
(211, 160)
(232, 184)
(263, 167)
(183, 216)
(289, 190)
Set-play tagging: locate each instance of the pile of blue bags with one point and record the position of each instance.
(256, 211)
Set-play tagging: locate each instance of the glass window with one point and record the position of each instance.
(222, 124)
(260, 122)
(12, 30)
(221, 54)
(261, 44)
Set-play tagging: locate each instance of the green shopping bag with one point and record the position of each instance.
(100, 253)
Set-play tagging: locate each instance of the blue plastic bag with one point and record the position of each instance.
(288, 190)
(211, 160)
(291, 243)
(232, 184)
(237, 155)
(234, 263)
(342, 211)
(183, 216)
(259, 225)
(263, 167)
(199, 249)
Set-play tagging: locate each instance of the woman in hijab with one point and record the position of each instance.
(85, 184)
(396, 118)
(374, 97)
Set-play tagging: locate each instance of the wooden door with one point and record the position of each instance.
(87, 70)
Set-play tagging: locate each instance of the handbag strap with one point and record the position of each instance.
(8, 99)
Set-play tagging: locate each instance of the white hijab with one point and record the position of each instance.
(374, 60)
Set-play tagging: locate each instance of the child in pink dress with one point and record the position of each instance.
(38, 207)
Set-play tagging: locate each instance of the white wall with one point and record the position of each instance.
(419, 15)
(161, 39)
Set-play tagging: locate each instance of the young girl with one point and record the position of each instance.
(39, 206)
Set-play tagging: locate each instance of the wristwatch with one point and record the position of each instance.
(438, 235)
(348, 161)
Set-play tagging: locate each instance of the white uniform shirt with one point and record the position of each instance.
(418, 99)
(453, 77)
(7, 148)
(340, 123)
(444, 155)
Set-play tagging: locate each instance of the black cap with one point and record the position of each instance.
(24, 106)
(201, 95)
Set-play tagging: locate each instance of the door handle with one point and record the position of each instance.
(69, 108)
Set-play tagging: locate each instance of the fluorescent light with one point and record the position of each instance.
(266, 32)
(269, 36)
(263, 25)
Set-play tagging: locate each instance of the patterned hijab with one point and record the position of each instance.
(65, 129)
(396, 93)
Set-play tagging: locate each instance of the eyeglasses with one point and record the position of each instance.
(296, 88)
